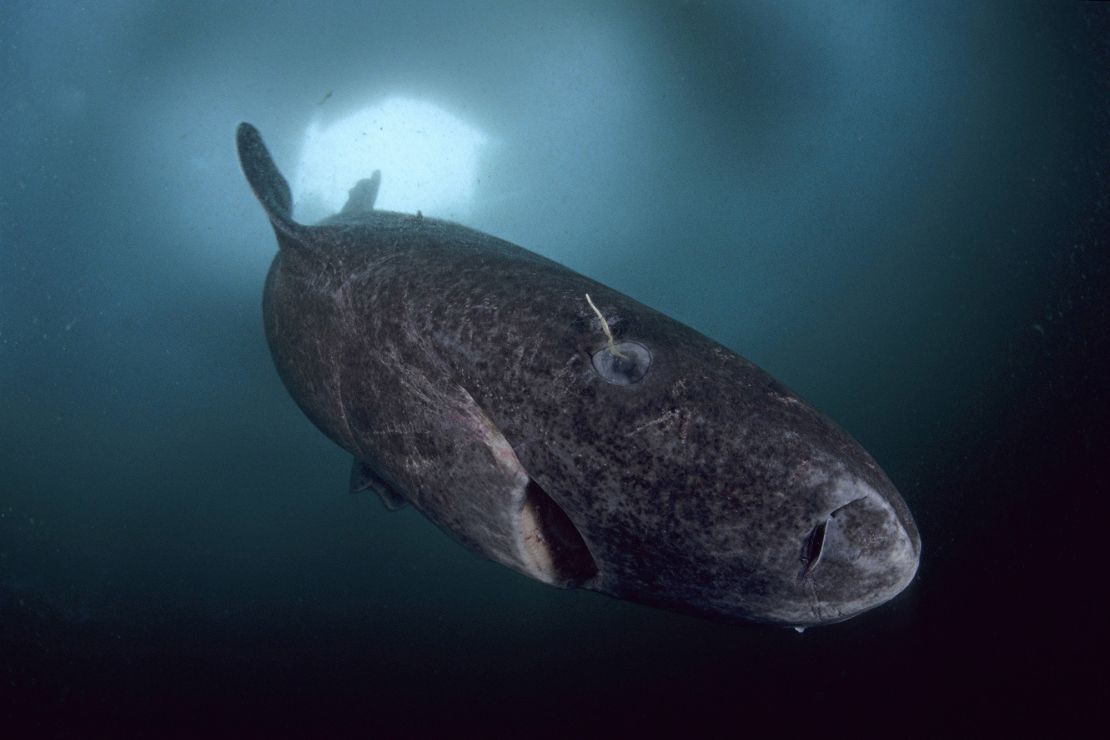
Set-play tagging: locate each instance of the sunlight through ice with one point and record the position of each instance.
(428, 159)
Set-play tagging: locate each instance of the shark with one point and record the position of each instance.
(565, 430)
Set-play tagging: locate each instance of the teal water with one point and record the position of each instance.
(898, 210)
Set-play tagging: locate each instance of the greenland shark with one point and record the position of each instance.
(565, 430)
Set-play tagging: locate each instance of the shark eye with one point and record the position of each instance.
(622, 363)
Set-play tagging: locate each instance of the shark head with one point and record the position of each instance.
(691, 479)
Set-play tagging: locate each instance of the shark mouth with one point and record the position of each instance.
(550, 543)
(540, 540)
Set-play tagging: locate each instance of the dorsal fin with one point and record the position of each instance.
(361, 198)
(269, 186)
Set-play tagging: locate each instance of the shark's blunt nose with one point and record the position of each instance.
(812, 548)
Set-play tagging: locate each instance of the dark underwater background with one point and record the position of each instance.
(900, 210)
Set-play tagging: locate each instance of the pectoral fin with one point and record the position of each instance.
(363, 478)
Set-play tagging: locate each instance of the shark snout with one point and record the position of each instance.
(860, 554)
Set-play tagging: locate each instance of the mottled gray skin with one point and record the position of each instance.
(456, 368)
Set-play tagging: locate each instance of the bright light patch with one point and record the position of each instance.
(428, 159)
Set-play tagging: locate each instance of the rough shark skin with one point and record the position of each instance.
(473, 379)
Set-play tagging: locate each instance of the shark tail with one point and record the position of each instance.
(270, 187)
